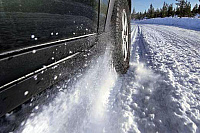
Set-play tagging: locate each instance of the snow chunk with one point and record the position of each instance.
(34, 51)
(26, 93)
(55, 77)
(32, 36)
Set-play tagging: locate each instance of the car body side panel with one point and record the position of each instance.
(25, 23)
(16, 66)
(28, 26)
(39, 33)
(19, 91)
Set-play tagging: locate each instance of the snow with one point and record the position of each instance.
(34, 51)
(188, 23)
(25, 93)
(83, 108)
(55, 77)
(166, 80)
(197, 16)
(32, 36)
(35, 77)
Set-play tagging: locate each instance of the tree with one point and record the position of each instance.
(170, 10)
(133, 14)
(195, 9)
(164, 10)
(151, 11)
(187, 9)
(139, 16)
(183, 9)
(157, 13)
(199, 9)
(174, 12)
(145, 14)
(180, 7)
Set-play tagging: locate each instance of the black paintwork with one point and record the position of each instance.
(22, 55)
(26, 23)
(13, 95)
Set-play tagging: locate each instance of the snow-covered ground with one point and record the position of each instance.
(189, 23)
(165, 85)
(159, 94)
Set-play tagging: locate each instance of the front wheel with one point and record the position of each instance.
(120, 23)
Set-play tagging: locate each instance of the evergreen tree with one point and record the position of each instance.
(199, 9)
(195, 9)
(177, 12)
(181, 7)
(164, 10)
(140, 16)
(174, 12)
(151, 11)
(170, 10)
(133, 14)
(157, 13)
(145, 14)
(187, 9)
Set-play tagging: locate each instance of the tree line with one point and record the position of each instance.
(183, 9)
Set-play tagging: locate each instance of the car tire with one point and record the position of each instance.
(120, 26)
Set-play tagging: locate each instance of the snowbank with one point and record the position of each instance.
(187, 23)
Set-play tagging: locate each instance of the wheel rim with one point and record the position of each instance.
(124, 35)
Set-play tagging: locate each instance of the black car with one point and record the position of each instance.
(41, 38)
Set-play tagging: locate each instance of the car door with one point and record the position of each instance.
(29, 25)
(37, 35)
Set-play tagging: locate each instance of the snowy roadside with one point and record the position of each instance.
(177, 55)
(162, 92)
(187, 23)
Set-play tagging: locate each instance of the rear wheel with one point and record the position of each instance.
(121, 34)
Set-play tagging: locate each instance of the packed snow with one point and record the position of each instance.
(166, 98)
(159, 94)
(189, 23)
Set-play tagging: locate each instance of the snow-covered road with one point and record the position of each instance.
(167, 97)
(159, 94)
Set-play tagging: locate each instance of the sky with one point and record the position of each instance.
(142, 5)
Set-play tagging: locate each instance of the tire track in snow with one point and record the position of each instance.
(140, 87)
(170, 106)
(152, 98)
